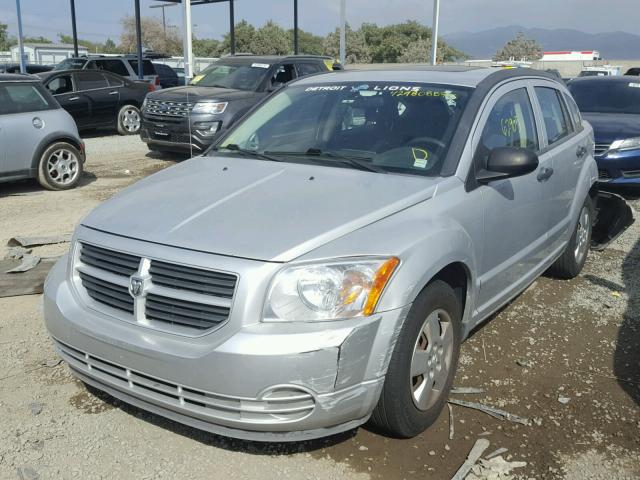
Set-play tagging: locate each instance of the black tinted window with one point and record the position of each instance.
(309, 69)
(60, 85)
(555, 120)
(510, 124)
(147, 67)
(20, 98)
(284, 74)
(115, 66)
(607, 96)
(91, 80)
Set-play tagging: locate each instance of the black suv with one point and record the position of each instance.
(187, 118)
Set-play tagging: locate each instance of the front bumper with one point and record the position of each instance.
(264, 382)
(619, 167)
(195, 132)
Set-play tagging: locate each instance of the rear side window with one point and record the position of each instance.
(114, 81)
(147, 67)
(574, 112)
(91, 80)
(309, 69)
(20, 98)
(284, 74)
(555, 118)
(510, 124)
(114, 66)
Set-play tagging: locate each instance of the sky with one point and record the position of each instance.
(100, 19)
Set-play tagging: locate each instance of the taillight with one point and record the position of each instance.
(152, 88)
(157, 81)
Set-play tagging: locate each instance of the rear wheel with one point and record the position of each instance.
(570, 263)
(129, 120)
(423, 364)
(60, 167)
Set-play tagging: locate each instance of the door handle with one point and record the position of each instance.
(581, 152)
(74, 98)
(115, 92)
(544, 174)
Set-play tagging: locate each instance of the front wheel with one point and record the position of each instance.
(60, 166)
(570, 263)
(423, 364)
(129, 120)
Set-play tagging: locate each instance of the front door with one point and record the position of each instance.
(77, 105)
(515, 224)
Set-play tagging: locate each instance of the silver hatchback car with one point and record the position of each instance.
(322, 264)
(39, 139)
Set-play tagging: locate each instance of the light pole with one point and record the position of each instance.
(187, 41)
(164, 21)
(343, 26)
(434, 32)
(23, 67)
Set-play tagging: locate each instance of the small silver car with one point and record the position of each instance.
(38, 138)
(321, 265)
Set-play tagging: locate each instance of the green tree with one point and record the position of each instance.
(309, 43)
(271, 39)
(519, 48)
(357, 50)
(206, 47)
(39, 39)
(416, 52)
(110, 47)
(154, 36)
(4, 38)
(244, 38)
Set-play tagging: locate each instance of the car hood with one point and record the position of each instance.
(193, 93)
(608, 127)
(255, 209)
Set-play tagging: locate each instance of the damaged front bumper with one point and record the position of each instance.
(265, 382)
(613, 217)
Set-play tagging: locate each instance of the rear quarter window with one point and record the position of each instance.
(574, 112)
(24, 97)
(556, 121)
(147, 67)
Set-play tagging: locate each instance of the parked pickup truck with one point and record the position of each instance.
(321, 264)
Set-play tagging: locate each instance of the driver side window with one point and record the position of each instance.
(284, 74)
(510, 124)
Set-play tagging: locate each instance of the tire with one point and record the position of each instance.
(129, 120)
(570, 263)
(407, 405)
(60, 166)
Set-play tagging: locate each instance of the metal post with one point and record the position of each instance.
(139, 41)
(296, 46)
(343, 26)
(73, 28)
(232, 28)
(164, 25)
(187, 41)
(434, 32)
(23, 67)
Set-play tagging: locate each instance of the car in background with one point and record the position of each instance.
(168, 76)
(601, 71)
(31, 68)
(181, 76)
(187, 118)
(98, 98)
(634, 71)
(612, 106)
(322, 265)
(125, 66)
(39, 139)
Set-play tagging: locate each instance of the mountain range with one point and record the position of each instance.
(484, 44)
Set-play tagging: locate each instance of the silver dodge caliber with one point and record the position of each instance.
(320, 266)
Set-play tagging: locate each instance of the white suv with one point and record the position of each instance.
(126, 66)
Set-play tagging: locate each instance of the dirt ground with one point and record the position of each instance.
(565, 355)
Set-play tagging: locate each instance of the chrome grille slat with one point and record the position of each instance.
(193, 279)
(177, 299)
(167, 108)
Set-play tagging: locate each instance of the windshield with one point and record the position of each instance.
(238, 76)
(70, 64)
(607, 97)
(385, 127)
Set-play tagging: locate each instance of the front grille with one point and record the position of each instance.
(168, 109)
(601, 148)
(631, 173)
(109, 260)
(185, 313)
(280, 404)
(604, 174)
(176, 298)
(193, 279)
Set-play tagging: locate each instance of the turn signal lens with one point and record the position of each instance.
(380, 281)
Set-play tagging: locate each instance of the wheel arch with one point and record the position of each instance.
(50, 139)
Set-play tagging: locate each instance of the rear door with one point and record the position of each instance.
(565, 149)
(103, 98)
(25, 123)
(515, 225)
(78, 106)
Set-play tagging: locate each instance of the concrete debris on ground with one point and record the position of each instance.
(494, 412)
(23, 241)
(466, 390)
(474, 455)
(16, 253)
(28, 262)
(496, 468)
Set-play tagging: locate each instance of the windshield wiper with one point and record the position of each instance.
(252, 153)
(356, 161)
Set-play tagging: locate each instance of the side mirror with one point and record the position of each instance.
(508, 162)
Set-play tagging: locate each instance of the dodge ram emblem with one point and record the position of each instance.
(136, 286)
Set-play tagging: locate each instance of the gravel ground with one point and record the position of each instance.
(565, 354)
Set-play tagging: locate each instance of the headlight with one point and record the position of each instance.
(212, 108)
(328, 291)
(626, 144)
